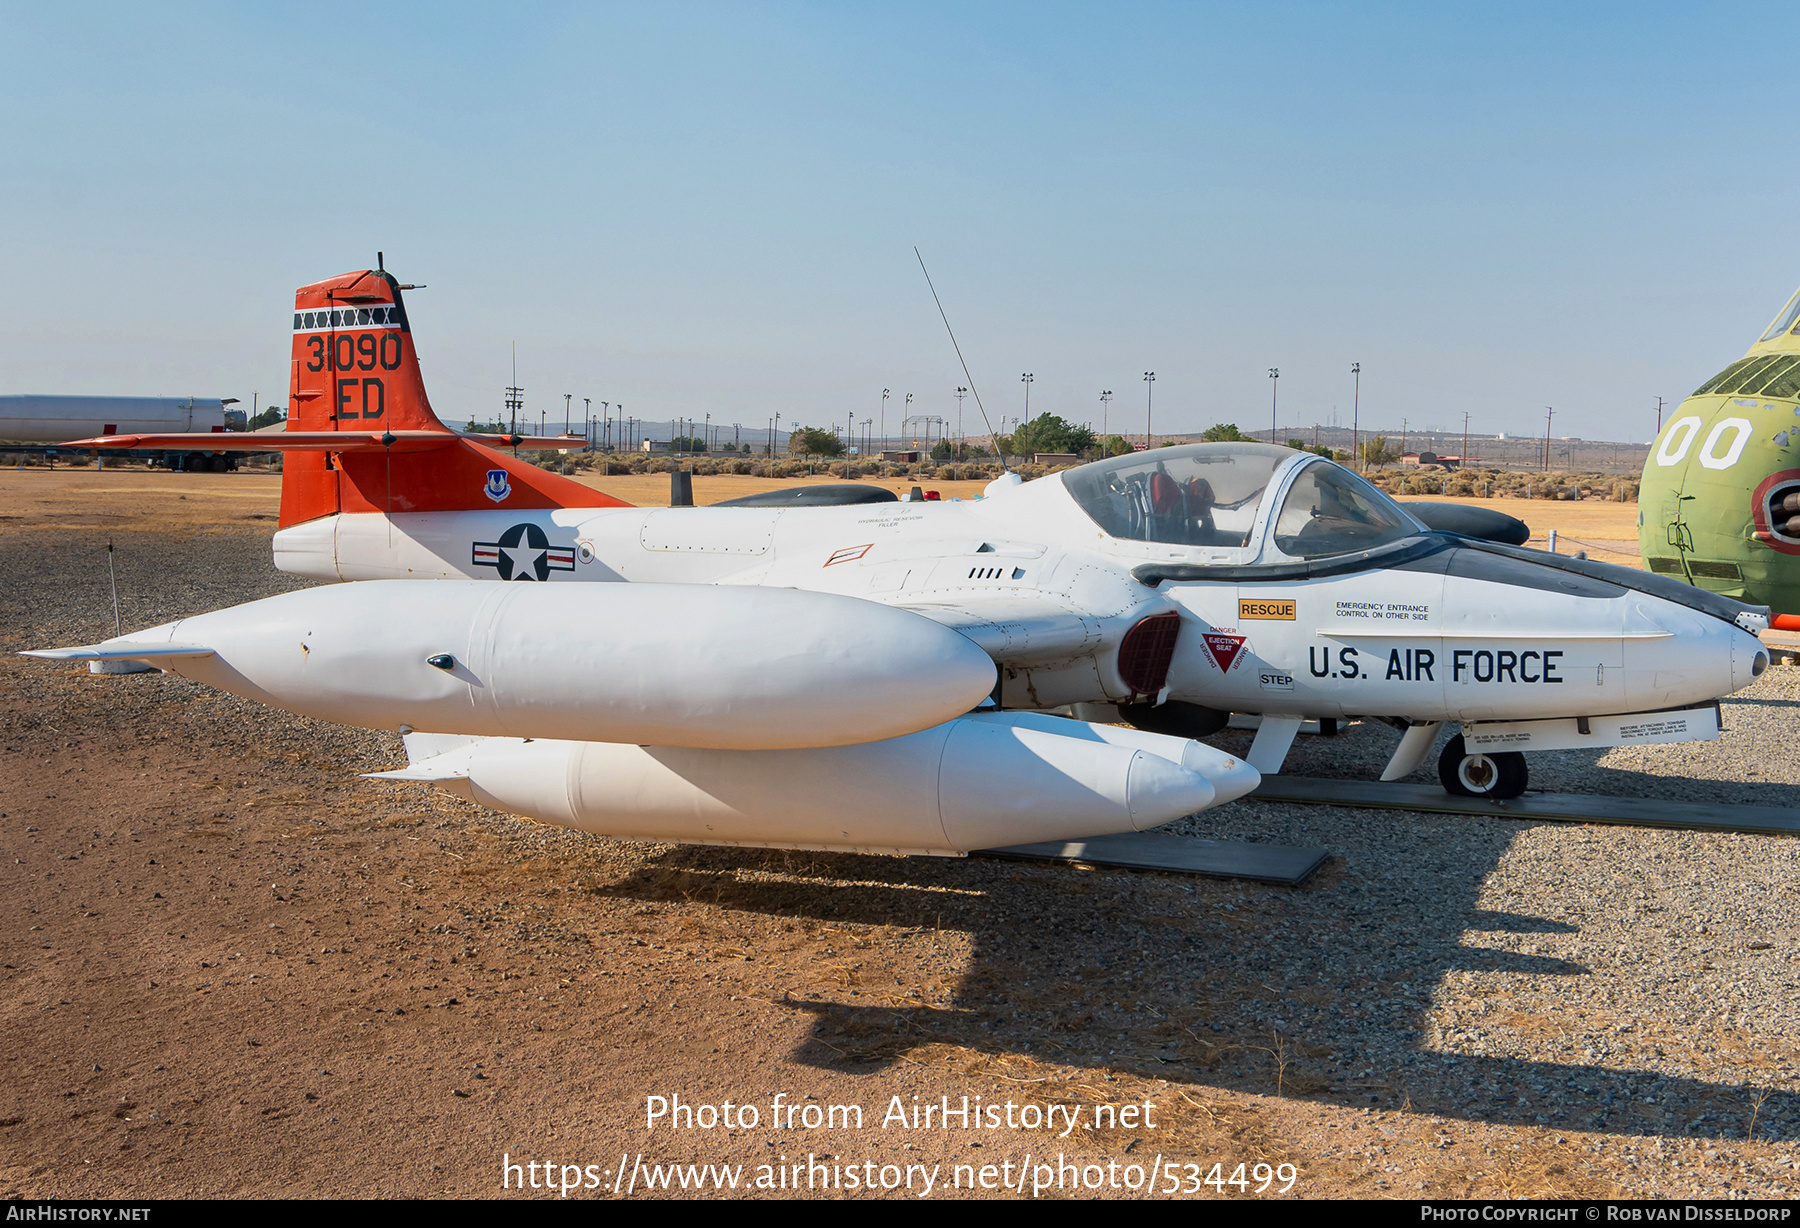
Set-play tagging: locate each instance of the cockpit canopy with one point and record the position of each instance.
(1213, 494)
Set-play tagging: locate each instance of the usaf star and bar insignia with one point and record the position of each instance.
(524, 553)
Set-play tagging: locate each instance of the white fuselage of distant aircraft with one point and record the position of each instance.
(52, 419)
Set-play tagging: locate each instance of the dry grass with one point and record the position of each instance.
(1607, 531)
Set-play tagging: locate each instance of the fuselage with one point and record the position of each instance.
(1298, 588)
(52, 419)
(823, 677)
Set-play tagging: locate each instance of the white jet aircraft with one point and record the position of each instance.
(1165, 590)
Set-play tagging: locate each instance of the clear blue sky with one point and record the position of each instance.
(700, 209)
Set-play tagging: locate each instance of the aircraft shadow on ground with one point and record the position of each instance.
(1233, 985)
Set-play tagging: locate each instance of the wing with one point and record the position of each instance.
(1057, 622)
(1053, 649)
(1017, 627)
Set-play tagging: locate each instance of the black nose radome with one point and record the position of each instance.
(445, 661)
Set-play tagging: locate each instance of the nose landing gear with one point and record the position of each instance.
(1491, 774)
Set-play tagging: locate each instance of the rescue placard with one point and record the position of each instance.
(1263, 607)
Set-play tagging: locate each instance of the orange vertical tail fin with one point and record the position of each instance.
(355, 369)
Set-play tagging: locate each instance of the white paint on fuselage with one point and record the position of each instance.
(1415, 644)
(1030, 578)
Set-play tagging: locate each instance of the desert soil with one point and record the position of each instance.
(237, 968)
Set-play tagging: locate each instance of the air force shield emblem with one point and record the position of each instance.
(497, 487)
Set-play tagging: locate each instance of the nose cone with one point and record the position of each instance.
(1158, 791)
(1231, 777)
(1228, 775)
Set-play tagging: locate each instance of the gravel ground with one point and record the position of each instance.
(1558, 973)
(1451, 1006)
(1596, 978)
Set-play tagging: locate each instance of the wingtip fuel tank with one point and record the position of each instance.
(974, 782)
(652, 664)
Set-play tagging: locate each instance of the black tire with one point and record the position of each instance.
(1496, 775)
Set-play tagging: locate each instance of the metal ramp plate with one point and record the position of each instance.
(1556, 807)
(1148, 850)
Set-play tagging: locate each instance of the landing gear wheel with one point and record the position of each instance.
(1497, 775)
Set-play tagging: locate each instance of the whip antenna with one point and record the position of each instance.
(965, 363)
(113, 576)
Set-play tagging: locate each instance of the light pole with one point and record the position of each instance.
(1274, 385)
(1027, 380)
(515, 395)
(1355, 411)
(706, 435)
(568, 410)
(1105, 409)
(587, 419)
(960, 394)
(1549, 413)
(1149, 387)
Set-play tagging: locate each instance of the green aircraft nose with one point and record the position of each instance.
(1719, 506)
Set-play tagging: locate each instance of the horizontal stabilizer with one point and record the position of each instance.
(323, 441)
(120, 652)
(525, 441)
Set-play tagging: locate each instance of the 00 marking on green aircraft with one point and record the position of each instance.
(1719, 506)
